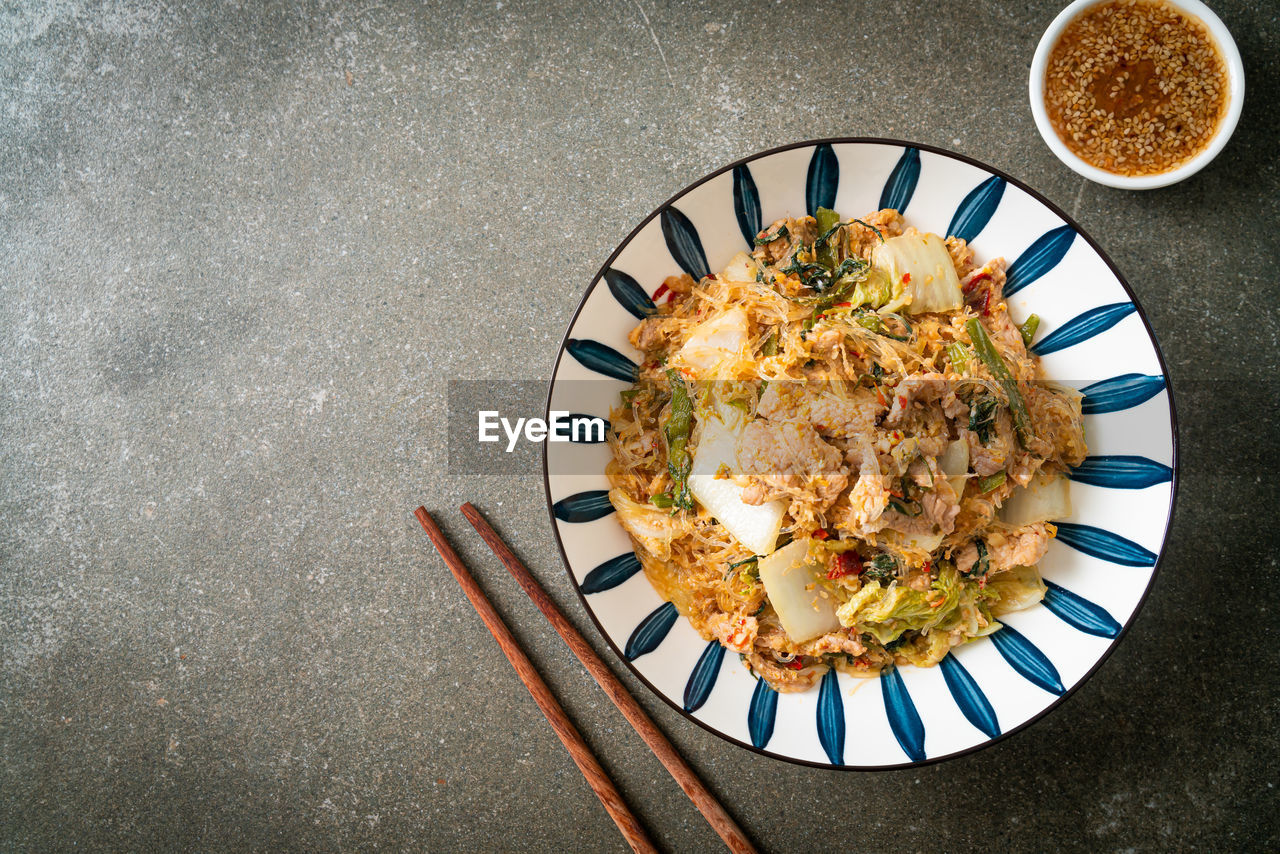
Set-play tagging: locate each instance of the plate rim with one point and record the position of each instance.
(1139, 310)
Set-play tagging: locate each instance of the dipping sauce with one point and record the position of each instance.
(1135, 87)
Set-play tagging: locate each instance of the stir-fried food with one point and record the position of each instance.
(839, 451)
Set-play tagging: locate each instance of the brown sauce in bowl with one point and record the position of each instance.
(1135, 87)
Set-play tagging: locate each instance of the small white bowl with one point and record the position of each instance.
(1235, 100)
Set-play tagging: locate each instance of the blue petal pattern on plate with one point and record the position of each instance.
(969, 697)
(831, 718)
(1077, 611)
(1039, 258)
(1122, 392)
(1121, 471)
(1083, 327)
(703, 678)
(762, 713)
(823, 179)
(904, 720)
(1104, 544)
(901, 185)
(746, 204)
(611, 573)
(583, 507)
(684, 244)
(602, 359)
(1026, 658)
(628, 293)
(977, 208)
(586, 434)
(651, 632)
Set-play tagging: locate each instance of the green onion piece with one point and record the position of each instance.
(958, 354)
(677, 429)
(1029, 328)
(827, 221)
(828, 224)
(986, 351)
(870, 321)
(770, 347)
(629, 395)
(769, 238)
(991, 482)
(662, 499)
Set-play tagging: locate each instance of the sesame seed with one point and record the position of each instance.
(1135, 87)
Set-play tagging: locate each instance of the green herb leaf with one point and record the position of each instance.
(870, 226)
(982, 416)
(882, 568)
(769, 238)
(983, 563)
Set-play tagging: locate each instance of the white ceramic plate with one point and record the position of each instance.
(1093, 335)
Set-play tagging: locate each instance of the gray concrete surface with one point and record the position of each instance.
(245, 246)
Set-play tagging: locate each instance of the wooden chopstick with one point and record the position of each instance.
(684, 775)
(599, 781)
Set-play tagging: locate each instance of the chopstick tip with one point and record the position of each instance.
(423, 516)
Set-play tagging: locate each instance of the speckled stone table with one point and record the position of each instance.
(246, 246)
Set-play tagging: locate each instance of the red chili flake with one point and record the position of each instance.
(880, 395)
(845, 563)
(844, 305)
(906, 278)
(821, 428)
(902, 401)
(820, 534)
(797, 664)
(973, 283)
(986, 304)
(928, 566)
(662, 289)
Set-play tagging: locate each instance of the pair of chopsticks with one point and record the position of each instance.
(595, 775)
